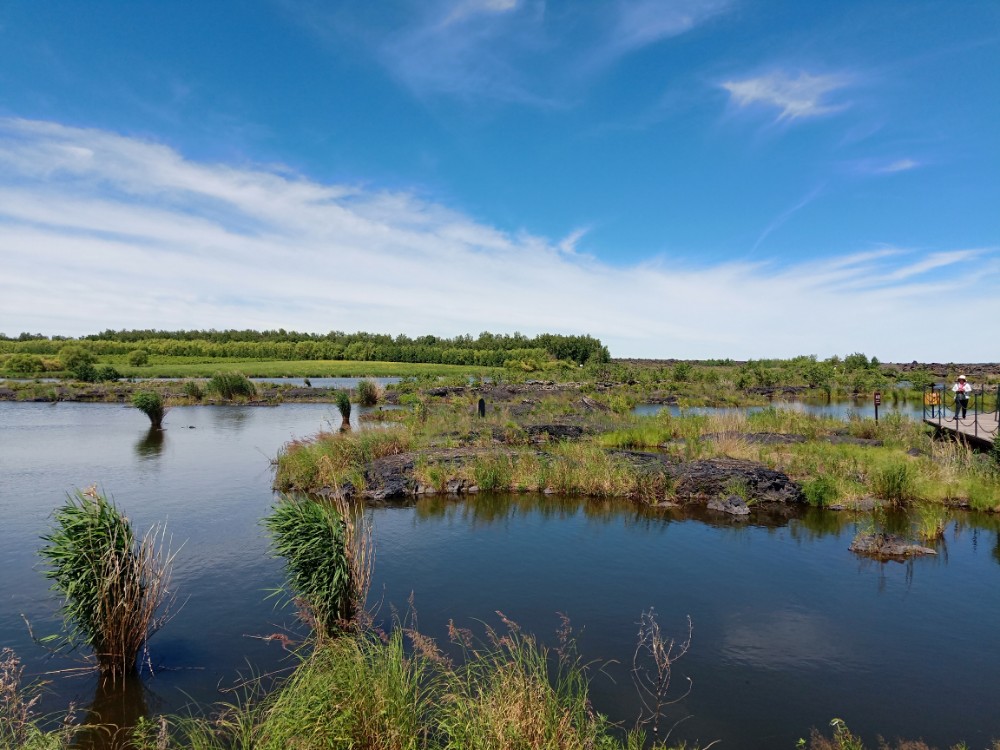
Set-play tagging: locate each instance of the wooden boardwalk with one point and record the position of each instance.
(979, 428)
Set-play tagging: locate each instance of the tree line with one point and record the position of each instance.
(487, 350)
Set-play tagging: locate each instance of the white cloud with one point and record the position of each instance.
(512, 51)
(800, 96)
(103, 231)
(900, 165)
(643, 22)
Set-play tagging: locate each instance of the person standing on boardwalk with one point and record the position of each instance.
(962, 389)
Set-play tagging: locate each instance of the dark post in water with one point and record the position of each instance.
(878, 400)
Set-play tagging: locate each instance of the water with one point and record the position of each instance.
(862, 408)
(790, 629)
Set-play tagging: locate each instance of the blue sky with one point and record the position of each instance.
(683, 178)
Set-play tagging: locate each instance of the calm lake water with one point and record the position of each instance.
(861, 408)
(790, 629)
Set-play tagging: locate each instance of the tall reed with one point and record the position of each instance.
(115, 588)
(230, 385)
(328, 552)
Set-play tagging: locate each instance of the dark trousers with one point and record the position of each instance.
(961, 404)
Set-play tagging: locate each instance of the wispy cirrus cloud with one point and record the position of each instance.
(98, 230)
(797, 96)
(515, 51)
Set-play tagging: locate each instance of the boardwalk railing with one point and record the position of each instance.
(942, 409)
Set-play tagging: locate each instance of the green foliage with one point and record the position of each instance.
(494, 472)
(820, 490)
(369, 392)
(73, 356)
(25, 364)
(192, 389)
(106, 373)
(355, 692)
(138, 357)
(230, 385)
(343, 402)
(895, 482)
(150, 403)
(332, 458)
(111, 584)
(312, 538)
(682, 372)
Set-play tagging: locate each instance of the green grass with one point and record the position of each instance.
(112, 584)
(328, 459)
(314, 538)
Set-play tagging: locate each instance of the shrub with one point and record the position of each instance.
(25, 364)
(369, 392)
(112, 585)
(229, 385)
(138, 357)
(328, 559)
(192, 389)
(72, 357)
(85, 372)
(106, 373)
(150, 404)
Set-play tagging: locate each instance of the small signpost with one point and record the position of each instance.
(878, 400)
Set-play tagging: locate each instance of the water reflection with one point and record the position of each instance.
(231, 418)
(151, 444)
(117, 707)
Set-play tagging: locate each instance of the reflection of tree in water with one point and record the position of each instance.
(151, 445)
(117, 707)
(996, 548)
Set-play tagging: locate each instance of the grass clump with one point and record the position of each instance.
(820, 490)
(369, 392)
(114, 586)
(354, 692)
(150, 403)
(331, 458)
(328, 557)
(343, 402)
(895, 482)
(231, 385)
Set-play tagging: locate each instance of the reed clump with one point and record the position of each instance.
(114, 586)
(231, 385)
(369, 392)
(343, 402)
(328, 553)
(150, 403)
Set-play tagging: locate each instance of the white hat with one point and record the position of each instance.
(961, 377)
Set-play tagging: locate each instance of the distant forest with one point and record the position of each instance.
(488, 349)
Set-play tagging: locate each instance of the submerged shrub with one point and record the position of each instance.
(369, 392)
(151, 404)
(328, 560)
(113, 585)
(229, 385)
